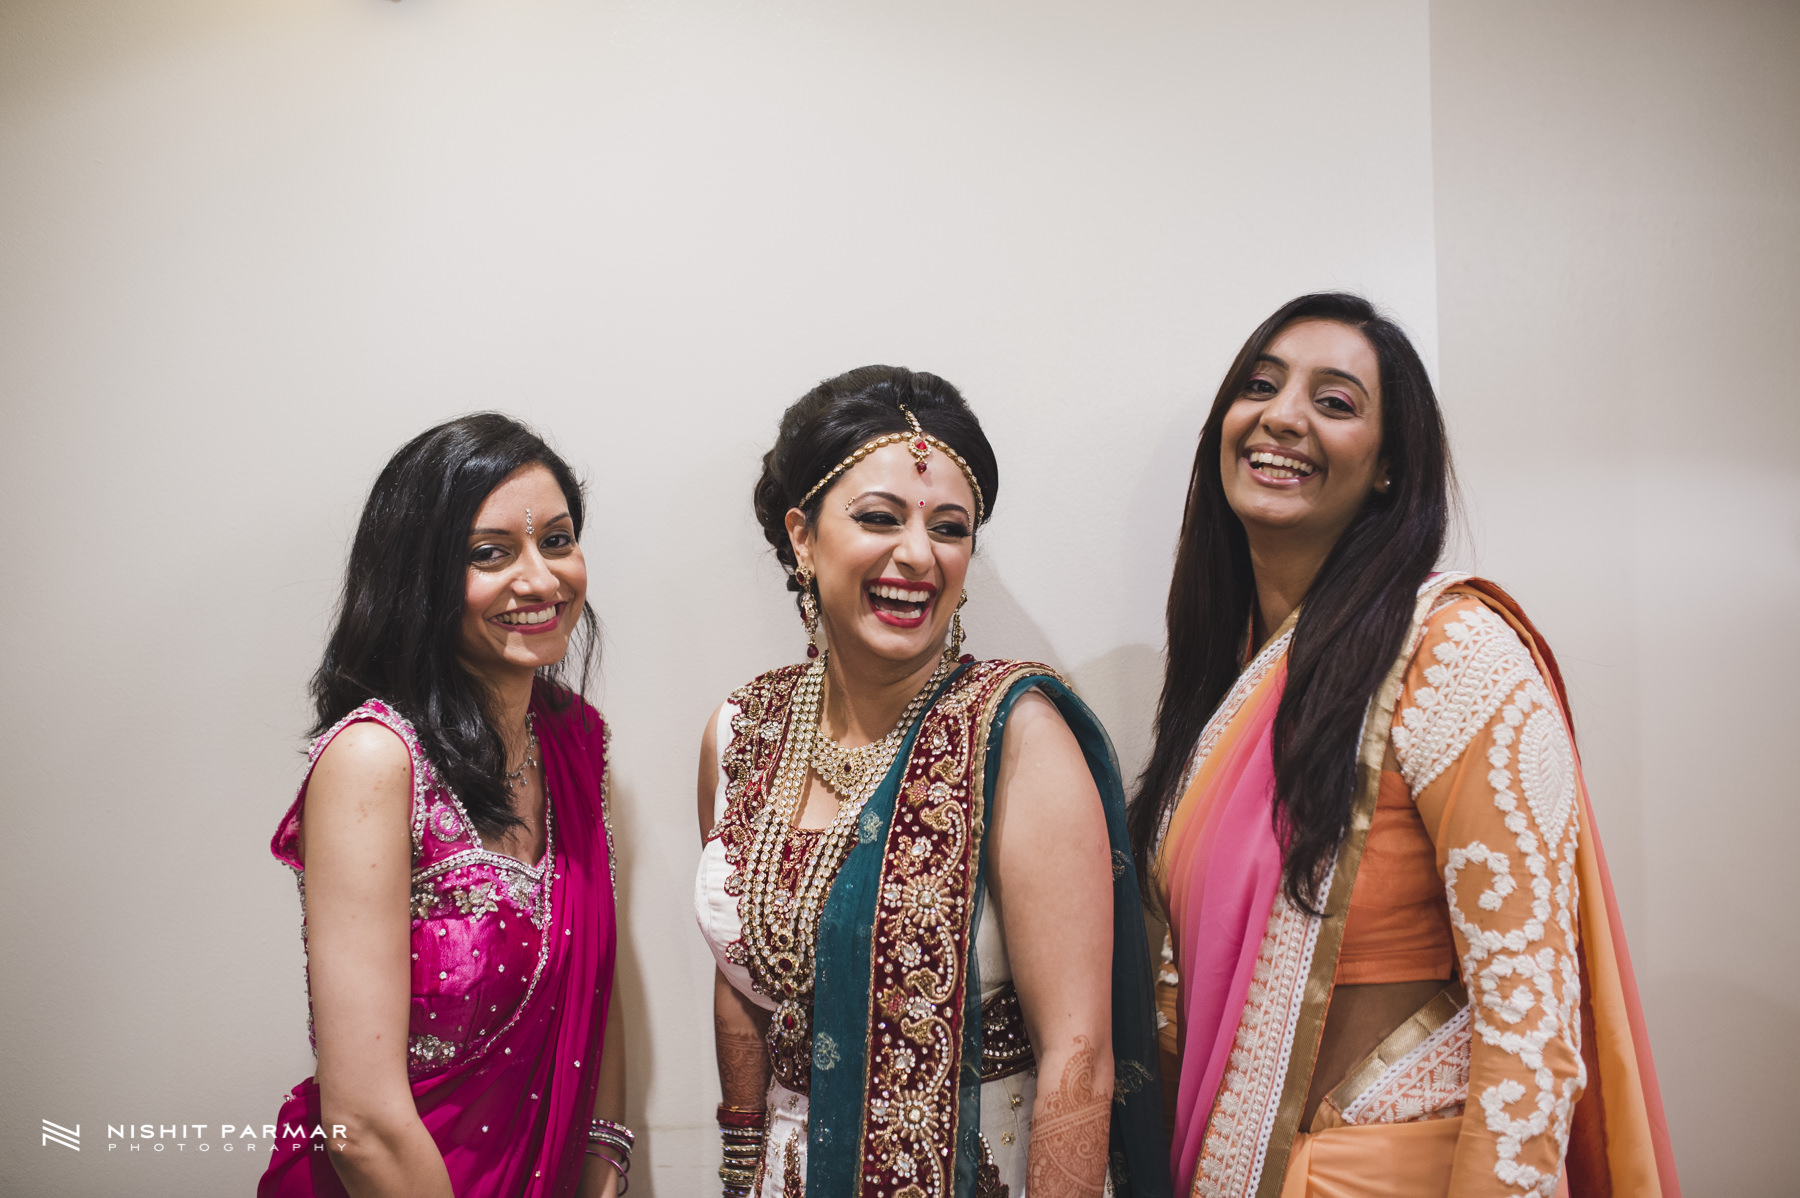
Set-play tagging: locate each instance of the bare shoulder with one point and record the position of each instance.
(367, 762)
(1035, 725)
(367, 745)
(358, 800)
(1041, 757)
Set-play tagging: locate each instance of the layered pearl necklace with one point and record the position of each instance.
(781, 934)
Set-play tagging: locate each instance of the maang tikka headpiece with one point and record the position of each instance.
(919, 443)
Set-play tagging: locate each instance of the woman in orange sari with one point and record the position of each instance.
(1395, 965)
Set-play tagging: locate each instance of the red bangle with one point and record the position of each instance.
(745, 1117)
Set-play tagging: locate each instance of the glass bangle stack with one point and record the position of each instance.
(742, 1130)
(612, 1143)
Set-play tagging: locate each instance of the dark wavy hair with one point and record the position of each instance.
(399, 621)
(824, 426)
(1353, 620)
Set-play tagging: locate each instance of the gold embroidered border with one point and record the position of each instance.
(1250, 1132)
(921, 940)
(1388, 1065)
(1231, 1155)
(1311, 1023)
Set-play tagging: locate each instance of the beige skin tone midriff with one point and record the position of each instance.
(357, 848)
(1299, 456)
(884, 523)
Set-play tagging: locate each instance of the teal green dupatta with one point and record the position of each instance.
(896, 1073)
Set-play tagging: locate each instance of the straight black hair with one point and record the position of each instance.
(1353, 620)
(400, 617)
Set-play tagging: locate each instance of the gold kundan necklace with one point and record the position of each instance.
(781, 933)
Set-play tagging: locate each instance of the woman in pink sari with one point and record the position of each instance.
(453, 850)
(1394, 965)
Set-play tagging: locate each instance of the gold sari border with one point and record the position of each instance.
(1310, 1025)
(1419, 1027)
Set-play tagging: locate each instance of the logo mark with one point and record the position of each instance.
(68, 1137)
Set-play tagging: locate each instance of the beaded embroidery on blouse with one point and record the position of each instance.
(470, 883)
(922, 938)
(751, 760)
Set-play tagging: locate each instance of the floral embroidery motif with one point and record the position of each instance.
(921, 941)
(443, 890)
(1475, 671)
(793, 1175)
(1237, 1134)
(454, 877)
(922, 936)
(1525, 985)
(444, 824)
(475, 900)
(427, 1053)
(1430, 1082)
(750, 761)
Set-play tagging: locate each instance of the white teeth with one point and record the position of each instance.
(1278, 466)
(900, 596)
(528, 617)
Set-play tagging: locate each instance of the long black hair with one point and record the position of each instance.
(824, 426)
(400, 618)
(1353, 620)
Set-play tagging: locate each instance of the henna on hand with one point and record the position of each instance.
(743, 1065)
(1070, 1127)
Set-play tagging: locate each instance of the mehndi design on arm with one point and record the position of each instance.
(1069, 1132)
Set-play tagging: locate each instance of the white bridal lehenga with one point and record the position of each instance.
(1006, 1102)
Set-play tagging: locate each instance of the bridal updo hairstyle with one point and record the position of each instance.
(830, 422)
(399, 621)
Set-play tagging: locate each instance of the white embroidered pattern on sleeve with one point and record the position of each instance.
(1524, 992)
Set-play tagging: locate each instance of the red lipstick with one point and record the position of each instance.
(898, 612)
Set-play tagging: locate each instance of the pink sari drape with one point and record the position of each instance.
(1220, 870)
(513, 1119)
(1224, 872)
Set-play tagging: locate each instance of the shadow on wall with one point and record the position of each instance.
(1121, 685)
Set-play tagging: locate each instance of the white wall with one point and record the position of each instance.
(1618, 200)
(247, 249)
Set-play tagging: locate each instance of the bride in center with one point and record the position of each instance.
(932, 976)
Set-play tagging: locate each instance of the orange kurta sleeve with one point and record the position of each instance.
(1484, 750)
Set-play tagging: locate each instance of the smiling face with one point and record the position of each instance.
(1300, 446)
(890, 549)
(524, 592)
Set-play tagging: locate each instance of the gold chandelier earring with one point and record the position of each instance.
(956, 630)
(809, 609)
